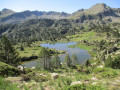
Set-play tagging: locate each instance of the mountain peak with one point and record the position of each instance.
(98, 8)
(7, 11)
(100, 4)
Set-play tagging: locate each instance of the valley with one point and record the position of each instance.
(60, 51)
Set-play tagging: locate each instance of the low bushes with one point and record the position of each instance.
(113, 62)
(84, 87)
(7, 70)
(106, 72)
(34, 76)
(23, 59)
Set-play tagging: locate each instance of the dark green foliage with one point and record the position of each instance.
(39, 78)
(39, 29)
(65, 81)
(35, 76)
(6, 70)
(67, 60)
(21, 48)
(25, 77)
(79, 68)
(28, 58)
(84, 87)
(87, 63)
(108, 62)
(56, 63)
(113, 62)
(7, 52)
(74, 60)
(44, 56)
(116, 62)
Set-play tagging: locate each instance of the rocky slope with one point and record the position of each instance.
(97, 12)
(26, 15)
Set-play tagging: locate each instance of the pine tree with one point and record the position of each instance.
(67, 60)
(45, 58)
(21, 48)
(74, 60)
(56, 63)
(7, 52)
(87, 63)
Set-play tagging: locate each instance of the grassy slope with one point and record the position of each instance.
(34, 49)
(106, 77)
(5, 85)
(90, 36)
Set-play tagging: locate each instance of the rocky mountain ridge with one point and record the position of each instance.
(98, 12)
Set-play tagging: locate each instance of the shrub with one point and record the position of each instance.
(7, 70)
(105, 72)
(98, 70)
(28, 70)
(109, 74)
(88, 70)
(79, 68)
(65, 81)
(37, 78)
(25, 77)
(83, 87)
(116, 62)
(113, 62)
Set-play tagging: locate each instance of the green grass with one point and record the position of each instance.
(90, 36)
(29, 51)
(5, 85)
(88, 48)
(34, 49)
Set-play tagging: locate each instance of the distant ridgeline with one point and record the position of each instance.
(41, 25)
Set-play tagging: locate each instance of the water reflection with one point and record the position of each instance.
(80, 53)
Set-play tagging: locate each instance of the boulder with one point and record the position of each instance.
(54, 76)
(94, 83)
(100, 66)
(76, 82)
(20, 67)
(33, 68)
(94, 78)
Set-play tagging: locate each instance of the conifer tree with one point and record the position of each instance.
(87, 63)
(56, 63)
(8, 53)
(74, 60)
(67, 60)
(45, 58)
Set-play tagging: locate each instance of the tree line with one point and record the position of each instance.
(47, 63)
(9, 55)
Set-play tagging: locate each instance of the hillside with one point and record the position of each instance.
(97, 12)
(6, 12)
(27, 41)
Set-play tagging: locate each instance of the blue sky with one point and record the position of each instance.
(68, 6)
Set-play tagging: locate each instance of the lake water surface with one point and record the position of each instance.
(80, 53)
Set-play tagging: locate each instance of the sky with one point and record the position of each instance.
(68, 6)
